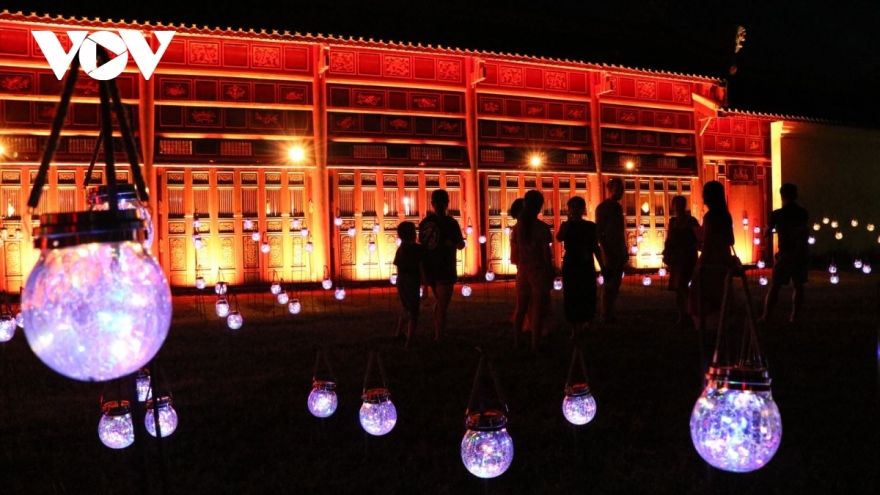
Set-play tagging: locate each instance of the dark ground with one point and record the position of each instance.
(244, 426)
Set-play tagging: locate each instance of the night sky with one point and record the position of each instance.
(812, 59)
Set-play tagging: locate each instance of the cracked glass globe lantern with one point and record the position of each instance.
(557, 283)
(221, 307)
(304, 232)
(143, 384)
(735, 424)
(255, 236)
(579, 405)
(200, 282)
(600, 279)
(832, 268)
(265, 248)
(116, 429)
(7, 327)
(322, 399)
(295, 307)
(393, 278)
(295, 224)
(378, 414)
(275, 288)
(646, 280)
(870, 227)
(466, 290)
(339, 294)
(866, 268)
(482, 239)
(811, 240)
(490, 275)
(309, 247)
(220, 288)
(127, 200)
(327, 284)
(352, 231)
(167, 416)
(248, 224)
(234, 320)
(96, 305)
(486, 449)
(661, 271)
(857, 264)
(834, 279)
(282, 298)
(337, 221)
(763, 280)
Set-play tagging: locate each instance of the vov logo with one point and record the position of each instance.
(127, 41)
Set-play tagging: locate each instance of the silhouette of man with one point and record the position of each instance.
(440, 236)
(612, 241)
(792, 255)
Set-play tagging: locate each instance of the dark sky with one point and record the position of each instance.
(813, 59)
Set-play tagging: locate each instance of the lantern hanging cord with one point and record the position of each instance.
(476, 390)
(370, 366)
(577, 356)
(318, 360)
(750, 352)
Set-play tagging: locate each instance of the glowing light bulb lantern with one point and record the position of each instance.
(327, 284)
(838, 235)
(662, 271)
(116, 429)
(866, 268)
(352, 232)
(265, 247)
(96, 305)
(143, 385)
(756, 241)
(294, 307)
(304, 232)
(339, 294)
(7, 327)
(825, 220)
(378, 414)
(761, 264)
(234, 321)
(295, 224)
(757, 230)
(486, 449)
(309, 247)
(735, 424)
(835, 279)
(322, 399)
(557, 283)
(466, 290)
(482, 239)
(832, 268)
(376, 228)
(834, 224)
(811, 240)
(256, 236)
(646, 280)
(634, 249)
(221, 307)
(283, 298)
(579, 405)
(854, 222)
(816, 226)
(248, 224)
(490, 275)
(275, 288)
(337, 221)
(763, 280)
(160, 409)
(857, 264)
(469, 229)
(870, 227)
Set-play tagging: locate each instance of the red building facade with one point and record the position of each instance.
(381, 126)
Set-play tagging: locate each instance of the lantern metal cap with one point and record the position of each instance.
(161, 402)
(577, 390)
(58, 230)
(376, 395)
(490, 420)
(739, 378)
(143, 373)
(327, 385)
(124, 191)
(116, 408)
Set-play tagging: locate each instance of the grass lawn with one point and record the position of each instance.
(245, 429)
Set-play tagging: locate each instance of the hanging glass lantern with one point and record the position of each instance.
(854, 222)
(835, 279)
(761, 264)
(310, 247)
(466, 290)
(256, 236)
(762, 280)
(144, 388)
(304, 232)
(197, 241)
(834, 224)
(339, 294)
(490, 275)
(486, 449)
(327, 284)
(482, 239)
(283, 298)
(166, 414)
(735, 425)
(634, 249)
(469, 230)
(221, 307)
(322, 400)
(393, 279)
(220, 288)
(757, 230)
(825, 220)
(866, 268)
(557, 283)
(838, 235)
(371, 246)
(295, 307)
(275, 288)
(857, 264)
(378, 414)
(234, 320)
(200, 282)
(376, 228)
(870, 227)
(7, 327)
(115, 429)
(197, 224)
(295, 224)
(832, 268)
(337, 221)
(127, 199)
(641, 228)
(248, 224)
(579, 405)
(811, 240)
(352, 232)
(265, 247)
(816, 226)
(662, 271)
(646, 280)
(639, 238)
(601, 279)
(507, 230)
(96, 306)
(756, 241)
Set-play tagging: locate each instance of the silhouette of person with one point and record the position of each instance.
(612, 241)
(715, 259)
(534, 267)
(578, 268)
(792, 255)
(680, 253)
(440, 236)
(408, 260)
